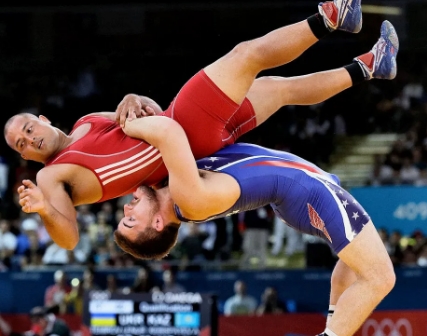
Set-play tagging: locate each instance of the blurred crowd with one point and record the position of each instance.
(65, 295)
(406, 161)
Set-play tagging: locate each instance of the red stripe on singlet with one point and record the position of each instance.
(287, 165)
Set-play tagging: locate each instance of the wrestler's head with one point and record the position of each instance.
(143, 232)
(31, 136)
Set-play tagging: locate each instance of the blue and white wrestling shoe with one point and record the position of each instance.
(380, 62)
(343, 15)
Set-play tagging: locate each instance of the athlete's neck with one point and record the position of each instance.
(65, 140)
(167, 205)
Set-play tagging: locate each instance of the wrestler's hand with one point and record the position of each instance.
(31, 198)
(133, 106)
(131, 128)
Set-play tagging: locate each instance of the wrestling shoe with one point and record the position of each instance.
(380, 62)
(343, 15)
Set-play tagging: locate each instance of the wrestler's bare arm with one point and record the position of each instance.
(51, 201)
(198, 196)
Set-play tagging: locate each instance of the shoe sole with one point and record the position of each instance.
(388, 33)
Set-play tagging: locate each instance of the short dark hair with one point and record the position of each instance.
(150, 243)
(12, 118)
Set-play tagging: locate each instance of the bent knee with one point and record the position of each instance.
(248, 54)
(383, 279)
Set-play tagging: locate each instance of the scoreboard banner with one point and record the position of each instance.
(402, 208)
(150, 314)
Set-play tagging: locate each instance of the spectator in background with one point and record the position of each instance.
(209, 230)
(100, 231)
(107, 209)
(279, 230)
(294, 239)
(385, 239)
(73, 302)
(44, 323)
(43, 236)
(55, 255)
(409, 257)
(412, 92)
(89, 280)
(85, 216)
(192, 246)
(419, 240)
(113, 253)
(169, 283)
(409, 173)
(396, 251)
(118, 215)
(33, 256)
(255, 236)
(84, 247)
(381, 173)
(112, 284)
(240, 303)
(143, 282)
(270, 303)
(29, 226)
(55, 294)
(8, 243)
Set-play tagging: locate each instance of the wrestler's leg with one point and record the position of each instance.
(235, 72)
(283, 91)
(317, 87)
(368, 258)
(342, 278)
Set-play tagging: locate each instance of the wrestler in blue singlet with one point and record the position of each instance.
(303, 195)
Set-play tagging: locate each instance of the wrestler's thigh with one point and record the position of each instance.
(233, 74)
(203, 110)
(366, 254)
(210, 119)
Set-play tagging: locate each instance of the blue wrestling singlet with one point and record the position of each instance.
(307, 198)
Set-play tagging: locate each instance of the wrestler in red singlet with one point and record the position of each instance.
(210, 119)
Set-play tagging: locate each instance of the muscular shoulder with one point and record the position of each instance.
(56, 174)
(54, 177)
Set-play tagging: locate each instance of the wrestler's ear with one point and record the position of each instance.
(43, 118)
(158, 222)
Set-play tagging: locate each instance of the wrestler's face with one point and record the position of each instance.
(34, 138)
(139, 213)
